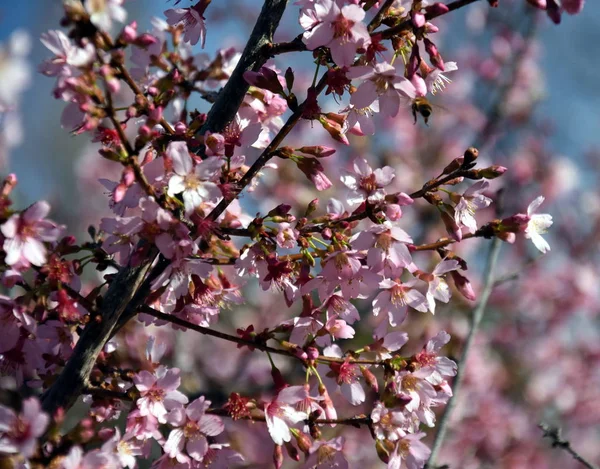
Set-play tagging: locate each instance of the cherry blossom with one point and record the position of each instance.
(339, 28)
(327, 454)
(192, 427)
(194, 28)
(191, 180)
(468, 203)
(395, 298)
(366, 184)
(538, 225)
(281, 412)
(103, 12)
(19, 432)
(26, 233)
(158, 392)
(410, 449)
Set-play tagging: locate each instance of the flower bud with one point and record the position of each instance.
(507, 237)
(303, 441)
(292, 451)
(434, 55)
(278, 456)
(318, 151)
(313, 353)
(454, 165)
(333, 124)
(370, 378)
(180, 128)
(471, 155)
(515, 223)
(384, 448)
(437, 9)
(418, 19)
(463, 285)
(129, 33)
(492, 172)
(413, 62)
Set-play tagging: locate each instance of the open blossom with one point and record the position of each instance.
(281, 412)
(344, 376)
(395, 298)
(472, 200)
(410, 449)
(19, 432)
(380, 81)
(538, 225)
(326, 455)
(26, 233)
(440, 367)
(67, 55)
(366, 184)
(103, 12)
(438, 288)
(190, 180)
(339, 28)
(77, 459)
(158, 392)
(388, 424)
(193, 426)
(192, 19)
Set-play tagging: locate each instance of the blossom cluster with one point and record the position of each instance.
(175, 215)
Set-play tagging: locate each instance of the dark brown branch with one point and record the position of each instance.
(250, 343)
(231, 96)
(558, 441)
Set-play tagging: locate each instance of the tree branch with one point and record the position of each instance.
(231, 96)
(129, 290)
(475, 320)
(559, 442)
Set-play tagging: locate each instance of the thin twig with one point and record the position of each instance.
(475, 320)
(554, 434)
(289, 351)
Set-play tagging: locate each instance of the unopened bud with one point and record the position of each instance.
(507, 237)
(180, 128)
(418, 19)
(515, 223)
(129, 33)
(311, 207)
(292, 451)
(304, 442)
(454, 165)
(463, 285)
(437, 9)
(414, 62)
(278, 456)
(128, 176)
(370, 378)
(313, 353)
(434, 54)
(471, 155)
(492, 172)
(145, 40)
(384, 449)
(318, 151)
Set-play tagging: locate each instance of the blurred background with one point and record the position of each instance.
(526, 94)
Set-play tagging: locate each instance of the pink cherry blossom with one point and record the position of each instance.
(438, 288)
(410, 449)
(472, 200)
(326, 454)
(379, 82)
(281, 412)
(366, 184)
(194, 28)
(395, 298)
(192, 427)
(158, 392)
(344, 377)
(192, 180)
(103, 12)
(26, 233)
(388, 424)
(429, 358)
(19, 432)
(339, 28)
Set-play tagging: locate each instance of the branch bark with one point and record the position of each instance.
(129, 289)
(231, 96)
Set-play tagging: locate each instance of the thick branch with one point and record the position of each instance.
(74, 377)
(475, 320)
(231, 96)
